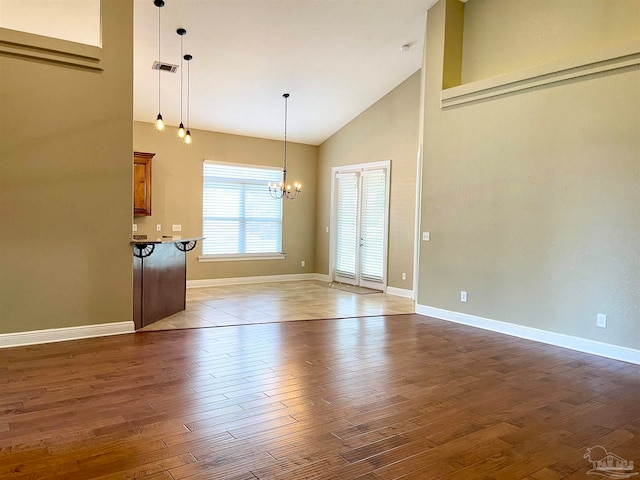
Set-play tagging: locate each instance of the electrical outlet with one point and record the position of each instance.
(326, 229)
(135, 227)
(425, 236)
(404, 275)
(176, 228)
(303, 263)
(463, 296)
(158, 227)
(601, 320)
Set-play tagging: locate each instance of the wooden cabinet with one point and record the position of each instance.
(142, 184)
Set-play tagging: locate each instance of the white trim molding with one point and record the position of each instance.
(53, 50)
(418, 212)
(594, 347)
(293, 277)
(604, 61)
(66, 333)
(400, 292)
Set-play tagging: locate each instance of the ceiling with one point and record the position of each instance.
(335, 58)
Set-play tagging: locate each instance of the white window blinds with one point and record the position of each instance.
(239, 214)
(372, 224)
(361, 225)
(347, 226)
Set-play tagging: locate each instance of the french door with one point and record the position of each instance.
(360, 196)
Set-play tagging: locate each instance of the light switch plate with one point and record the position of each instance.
(176, 228)
(158, 227)
(425, 236)
(135, 227)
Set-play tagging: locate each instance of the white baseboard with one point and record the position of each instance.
(216, 282)
(399, 292)
(67, 333)
(601, 349)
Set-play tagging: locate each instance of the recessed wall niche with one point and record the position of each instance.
(72, 20)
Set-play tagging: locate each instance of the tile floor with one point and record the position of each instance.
(278, 302)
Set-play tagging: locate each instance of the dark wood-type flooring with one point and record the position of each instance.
(402, 396)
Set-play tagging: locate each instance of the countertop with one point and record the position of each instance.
(150, 241)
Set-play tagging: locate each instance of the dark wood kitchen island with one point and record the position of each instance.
(159, 278)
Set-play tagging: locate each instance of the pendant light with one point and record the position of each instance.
(159, 123)
(187, 137)
(181, 131)
(283, 190)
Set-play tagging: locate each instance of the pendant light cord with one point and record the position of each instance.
(159, 60)
(181, 75)
(188, 93)
(286, 98)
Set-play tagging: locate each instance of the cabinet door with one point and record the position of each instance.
(142, 184)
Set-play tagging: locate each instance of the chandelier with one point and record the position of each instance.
(283, 190)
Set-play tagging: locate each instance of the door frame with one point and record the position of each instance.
(358, 167)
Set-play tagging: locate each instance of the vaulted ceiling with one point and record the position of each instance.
(335, 58)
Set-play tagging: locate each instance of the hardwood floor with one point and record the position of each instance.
(401, 396)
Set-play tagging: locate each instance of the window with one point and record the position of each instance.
(240, 218)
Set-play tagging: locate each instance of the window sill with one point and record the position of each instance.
(242, 257)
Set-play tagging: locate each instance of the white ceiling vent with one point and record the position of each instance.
(165, 67)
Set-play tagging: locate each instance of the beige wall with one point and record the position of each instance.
(501, 36)
(388, 130)
(177, 195)
(533, 198)
(65, 186)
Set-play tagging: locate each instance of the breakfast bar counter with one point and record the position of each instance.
(159, 278)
